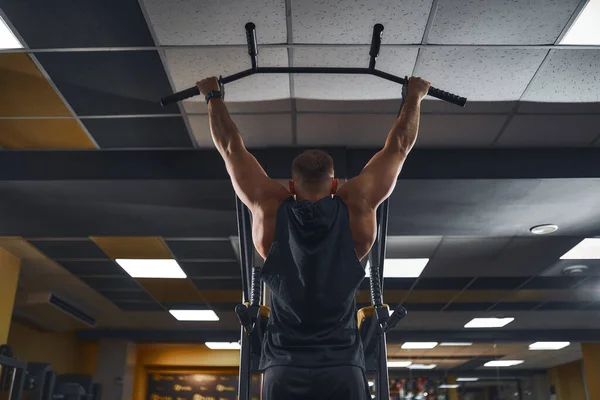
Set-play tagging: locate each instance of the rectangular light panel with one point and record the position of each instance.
(456, 344)
(449, 386)
(503, 363)
(586, 29)
(139, 268)
(467, 379)
(489, 322)
(398, 364)
(548, 345)
(587, 249)
(422, 366)
(223, 345)
(419, 345)
(8, 40)
(402, 267)
(194, 315)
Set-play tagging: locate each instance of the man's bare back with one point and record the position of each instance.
(362, 194)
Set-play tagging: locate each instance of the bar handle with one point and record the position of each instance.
(376, 40)
(447, 96)
(179, 96)
(251, 39)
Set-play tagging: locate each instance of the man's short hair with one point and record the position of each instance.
(312, 167)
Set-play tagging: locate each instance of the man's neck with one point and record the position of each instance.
(313, 198)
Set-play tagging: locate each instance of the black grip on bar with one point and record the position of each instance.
(375, 283)
(256, 286)
(243, 316)
(447, 96)
(251, 39)
(376, 40)
(399, 313)
(179, 96)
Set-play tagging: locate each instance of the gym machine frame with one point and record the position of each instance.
(253, 316)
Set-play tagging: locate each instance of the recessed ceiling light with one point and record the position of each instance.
(587, 249)
(398, 364)
(139, 268)
(488, 322)
(223, 345)
(503, 363)
(462, 344)
(544, 229)
(467, 379)
(194, 315)
(402, 267)
(371, 383)
(585, 30)
(574, 269)
(422, 366)
(449, 386)
(419, 345)
(8, 40)
(548, 345)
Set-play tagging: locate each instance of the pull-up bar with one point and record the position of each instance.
(253, 52)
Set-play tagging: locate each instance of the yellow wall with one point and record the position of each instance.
(567, 379)
(64, 351)
(9, 277)
(179, 357)
(591, 364)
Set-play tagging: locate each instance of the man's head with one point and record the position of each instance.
(312, 175)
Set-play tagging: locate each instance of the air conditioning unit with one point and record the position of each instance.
(50, 309)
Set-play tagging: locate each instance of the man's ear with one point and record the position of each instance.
(292, 187)
(334, 185)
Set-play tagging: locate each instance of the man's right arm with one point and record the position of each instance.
(377, 180)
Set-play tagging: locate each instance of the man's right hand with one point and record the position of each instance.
(417, 87)
(208, 85)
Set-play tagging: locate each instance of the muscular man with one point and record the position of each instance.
(312, 238)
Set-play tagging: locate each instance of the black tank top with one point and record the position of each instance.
(313, 274)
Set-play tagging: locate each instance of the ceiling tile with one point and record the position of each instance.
(126, 306)
(145, 247)
(500, 22)
(109, 284)
(343, 129)
(553, 282)
(515, 306)
(259, 130)
(65, 24)
(129, 296)
(218, 284)
(394, 283)
(459, 130)
(110, 82)
(469, 306)
(87, 268)
(69, 249)
(187, 66)
(395, 61)
(211, 269)
(568, 76)
(191, 22)
(532, 107)
(43, 134)
(442, 283)
(411, 246)
(497, 283)
(138, 132)
(480, 74)
(349, 21)
(411, 307)
(471, 247)
(243, 107)
(201, 249)
(550, 131)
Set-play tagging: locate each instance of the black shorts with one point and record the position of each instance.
(330, 383)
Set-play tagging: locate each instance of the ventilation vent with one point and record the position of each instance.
(71, 310)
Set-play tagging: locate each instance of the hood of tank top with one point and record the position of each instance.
(313, 220)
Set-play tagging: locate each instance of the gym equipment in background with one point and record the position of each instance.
(370, 70)
(12, 374)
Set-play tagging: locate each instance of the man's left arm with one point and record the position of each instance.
(250, 181)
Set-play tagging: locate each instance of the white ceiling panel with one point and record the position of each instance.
(569, 76)
(500, 21)
(258, 130)
(245, 107)
(187, 66)
(349, 130)
(551, 131)
(350, 87)
(459, 130)
(480, 74)
(351, 21)
(208, 22)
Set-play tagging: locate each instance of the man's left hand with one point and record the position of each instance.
(208, 85)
